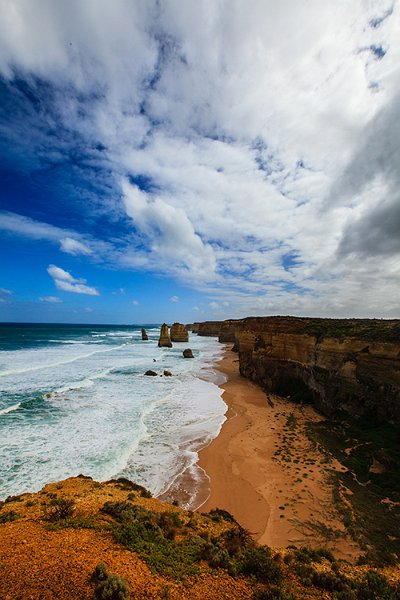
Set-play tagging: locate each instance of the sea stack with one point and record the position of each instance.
(165, 340)
(145, 337)
(179, 333)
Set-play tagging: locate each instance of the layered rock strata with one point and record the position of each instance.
(344, 367)
(224, 330)
(165, 340)
(179, 333)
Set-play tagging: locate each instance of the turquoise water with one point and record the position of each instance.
(74, 399)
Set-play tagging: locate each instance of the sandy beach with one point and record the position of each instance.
(266, 472)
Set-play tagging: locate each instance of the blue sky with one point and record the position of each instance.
(190, 161)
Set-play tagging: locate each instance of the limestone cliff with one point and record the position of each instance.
(179, 333)
(224, 330)
(344, 367)
(165, 340)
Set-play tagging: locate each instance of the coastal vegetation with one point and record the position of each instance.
(183, 555)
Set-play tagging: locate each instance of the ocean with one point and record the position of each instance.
(74, 399)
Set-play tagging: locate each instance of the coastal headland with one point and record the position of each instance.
(310, 450)
(301, 484)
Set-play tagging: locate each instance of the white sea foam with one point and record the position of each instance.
(97, 413)
(5, 411)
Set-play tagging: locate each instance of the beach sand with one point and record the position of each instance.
(267, 473)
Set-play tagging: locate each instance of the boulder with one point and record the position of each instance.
(188, 353)
(167, 374)
(145, 337)
(179, 333)
(151, 373)
(165, 340)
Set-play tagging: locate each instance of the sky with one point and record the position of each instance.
(166, 160)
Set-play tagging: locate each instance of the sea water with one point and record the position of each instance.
(74, 399)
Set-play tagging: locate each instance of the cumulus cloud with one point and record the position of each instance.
(66, 282)
(135, 302)
(255, 151)
(174, 299)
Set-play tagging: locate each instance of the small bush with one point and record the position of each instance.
(109, 587)
(258, 562)
(374, 586)
(9, 516)
(309, 555)
(127, 485)
(219, 514)
(271, 592)
(59, 509)
(18, 498)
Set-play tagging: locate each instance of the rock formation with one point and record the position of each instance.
(179, 333)
(167, 374)
(225, 330)
(188, 353)
(145, 337)
(344, 367)
(151, 373)
(165, 340)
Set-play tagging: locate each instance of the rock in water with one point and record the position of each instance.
(145, 337)
(179, 333)
(167, 374)
(151, 373)
(165, 340)
(188, 353)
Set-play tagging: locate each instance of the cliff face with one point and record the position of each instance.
(343, 367)
(224, 330)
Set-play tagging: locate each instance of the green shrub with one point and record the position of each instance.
(59, 509)
(258, 562)
(8, 516)
(219, 514)
(109, 587)
(127, 485)
(376, 586)
(216, 555)
(271, 592)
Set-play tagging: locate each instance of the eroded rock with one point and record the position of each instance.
(165, 340)
(179, 333)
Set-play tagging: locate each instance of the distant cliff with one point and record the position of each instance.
(224, 330)
(344, 367)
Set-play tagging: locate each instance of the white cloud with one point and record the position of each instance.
(174, 299)
(213, 305)
(268, 139)
(66, 282)
(5, 292)
(51, 299)
(72, 246)
(135, 302)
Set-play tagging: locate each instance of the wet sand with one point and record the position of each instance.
(267, 473)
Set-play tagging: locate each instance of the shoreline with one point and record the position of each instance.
(266, 472)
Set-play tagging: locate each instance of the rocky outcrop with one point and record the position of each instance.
(344, 367)
(165, 340)
(145, 337)
(151, 373)
(179, 333)
(188, 353)
(224, 330)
